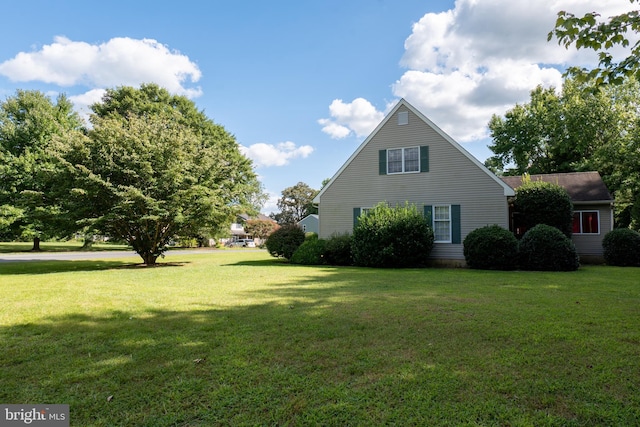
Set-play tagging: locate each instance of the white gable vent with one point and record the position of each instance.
(403, 117)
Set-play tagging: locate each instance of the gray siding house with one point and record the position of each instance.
(309, 223)
(408, 158)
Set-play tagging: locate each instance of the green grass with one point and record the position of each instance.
(238, 338)
(68, 246)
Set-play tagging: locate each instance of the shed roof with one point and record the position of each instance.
(581, 186)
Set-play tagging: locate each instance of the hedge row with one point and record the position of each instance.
(543, 247)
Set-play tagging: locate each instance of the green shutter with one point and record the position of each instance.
(428, 214)
(456, 233)
(424, 158)
(382, 162)
(356, 215)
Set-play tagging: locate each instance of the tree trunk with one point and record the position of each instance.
(88, 243)
(36, 244)
(149, 258)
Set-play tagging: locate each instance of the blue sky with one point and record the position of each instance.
(299, 83)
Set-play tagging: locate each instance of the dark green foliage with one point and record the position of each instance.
(545, 248)
(337, 250)
(622, 247)
(541, 202)
(311, 252)
(491, 248)
(392, 237)
(285, 241)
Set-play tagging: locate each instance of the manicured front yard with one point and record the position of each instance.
(238, 338)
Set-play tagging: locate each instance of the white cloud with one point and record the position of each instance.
(478, 59)
(271, 205)
(275, 155)
(119, 61)
(358, 116)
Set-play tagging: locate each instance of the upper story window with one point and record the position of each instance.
(586, 222)
(403, 118)
(403, 160)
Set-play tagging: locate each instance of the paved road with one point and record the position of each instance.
(73, 256)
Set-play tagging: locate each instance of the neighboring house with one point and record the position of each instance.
(237, 228)
(592, 209)
(309, 223)
(408, 158)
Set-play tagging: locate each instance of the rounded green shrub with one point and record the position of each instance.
(284, 241)
(311, 252)
(545, 248)
(540, 202)
(392, 237)
(337, 250)
(491, 248)
(622, 247)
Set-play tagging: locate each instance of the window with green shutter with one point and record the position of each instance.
(446, 222)
(403, 160)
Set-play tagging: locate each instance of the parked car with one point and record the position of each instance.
(245, 243)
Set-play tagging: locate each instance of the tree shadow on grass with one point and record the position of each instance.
(47, 267)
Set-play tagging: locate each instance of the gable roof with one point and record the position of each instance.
(261, 217)
(581, 186)
(508, 191)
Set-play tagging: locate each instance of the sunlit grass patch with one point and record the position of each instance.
(239, 338)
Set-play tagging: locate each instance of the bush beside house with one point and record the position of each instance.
(540, 202)
(622, 247)
(392, 237)
(491, 248)
(545, 248)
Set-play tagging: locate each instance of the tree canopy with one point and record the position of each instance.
(590, 32)
(295, 204)
(32, 127)
(154, 167)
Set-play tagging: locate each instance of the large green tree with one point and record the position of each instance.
(295, 204)
(575, 130)
(591, 32)
(154, 167)
(33, 132)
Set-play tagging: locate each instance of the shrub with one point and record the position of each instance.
(540, 202)
(284, 241)
(337, 250)
(392, 237)
(622, 247)
(311, 252)
(546, 248)
(491, 248)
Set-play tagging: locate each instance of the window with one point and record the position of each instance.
(403, 160)
(442, 224)
(586, 222)
(403, 118)
(446, 221)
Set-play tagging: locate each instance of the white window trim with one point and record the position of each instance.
(433, 222)
(403, 160)
(580, 222)
(364, 210)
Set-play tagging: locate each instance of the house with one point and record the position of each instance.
(309, 223)
(408, 158)
(237, 228)
(592, 209)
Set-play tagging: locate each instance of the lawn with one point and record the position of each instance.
(239, 338)
(66, 246)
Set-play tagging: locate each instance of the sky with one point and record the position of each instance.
(300, 84)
